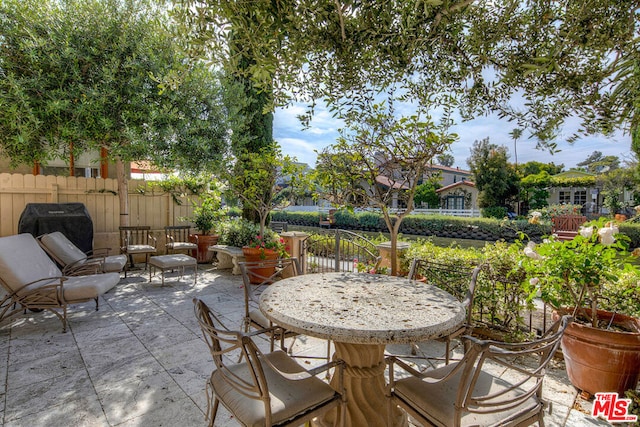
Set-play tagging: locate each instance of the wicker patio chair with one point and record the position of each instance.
(459, 281)
(74, 262)
(33, 281)
(267, 389)
(494, 384)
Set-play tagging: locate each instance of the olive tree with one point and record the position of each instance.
(103, 74)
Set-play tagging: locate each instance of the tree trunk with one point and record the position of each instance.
(123, 192)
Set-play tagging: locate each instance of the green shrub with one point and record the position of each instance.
(238, 232)
(371, 220)
(500, 296)
(345, 219)
(498, 212)
(501, 293)
(622, 296)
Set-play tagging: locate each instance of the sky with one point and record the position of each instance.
(303, 144)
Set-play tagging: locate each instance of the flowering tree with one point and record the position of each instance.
(573, 273)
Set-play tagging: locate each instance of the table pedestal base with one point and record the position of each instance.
(364, 382)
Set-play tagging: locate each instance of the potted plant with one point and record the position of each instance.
(581, 277)
(206, 216)
(255, 246)
(265, 181)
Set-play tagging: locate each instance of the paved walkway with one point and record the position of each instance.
(140, 360)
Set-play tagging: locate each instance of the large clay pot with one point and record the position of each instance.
(204, 241)
(599, 360)
(255, 254)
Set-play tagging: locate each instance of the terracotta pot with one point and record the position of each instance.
(255, 254)
(204, 241)
(599, 360)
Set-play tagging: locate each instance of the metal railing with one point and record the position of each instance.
(337, 250)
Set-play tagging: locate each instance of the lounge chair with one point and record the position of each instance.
(33, 281)
(74, 262)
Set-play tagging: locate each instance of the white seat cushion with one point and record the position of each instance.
(23, 261)
(82, 288)
(140, 249)
(58, 244)
(181, 246)
(172, 261)
(114, 263)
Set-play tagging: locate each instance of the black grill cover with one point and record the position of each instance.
(71, 219)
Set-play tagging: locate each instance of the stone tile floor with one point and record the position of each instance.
(140, 360)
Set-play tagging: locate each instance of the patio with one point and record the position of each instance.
(140, 360)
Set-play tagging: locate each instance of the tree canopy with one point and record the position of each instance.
(495, 178)
(597, 163)
(378, 162)
(535, 62)
(89, 73)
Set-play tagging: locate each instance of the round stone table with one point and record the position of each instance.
(362, 313)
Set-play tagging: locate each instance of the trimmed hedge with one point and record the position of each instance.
(424, 225)
(441, 226)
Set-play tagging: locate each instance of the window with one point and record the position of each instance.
(454, 202)
(580, 197)
(564, 197)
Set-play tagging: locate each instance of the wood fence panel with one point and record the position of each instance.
(99, 196)
(18, 200)
(6, 205)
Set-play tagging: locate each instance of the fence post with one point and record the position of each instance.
(337, 252)
(293, 242)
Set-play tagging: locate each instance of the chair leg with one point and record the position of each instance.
(212, 410)
(447, 355)
(97, 303)
(414, 349)
(64, 318)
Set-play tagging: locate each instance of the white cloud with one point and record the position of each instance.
(324, 130)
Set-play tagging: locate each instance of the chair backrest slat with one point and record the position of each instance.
(178, 233)
(134, 235)
(522, 380)
(458, 279)
(222, 342)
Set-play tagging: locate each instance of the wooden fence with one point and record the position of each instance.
(100, 196)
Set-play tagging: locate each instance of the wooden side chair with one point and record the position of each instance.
(494, 384)
(459, 281)
(136, 240)
(179, 239)
(268, 389)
